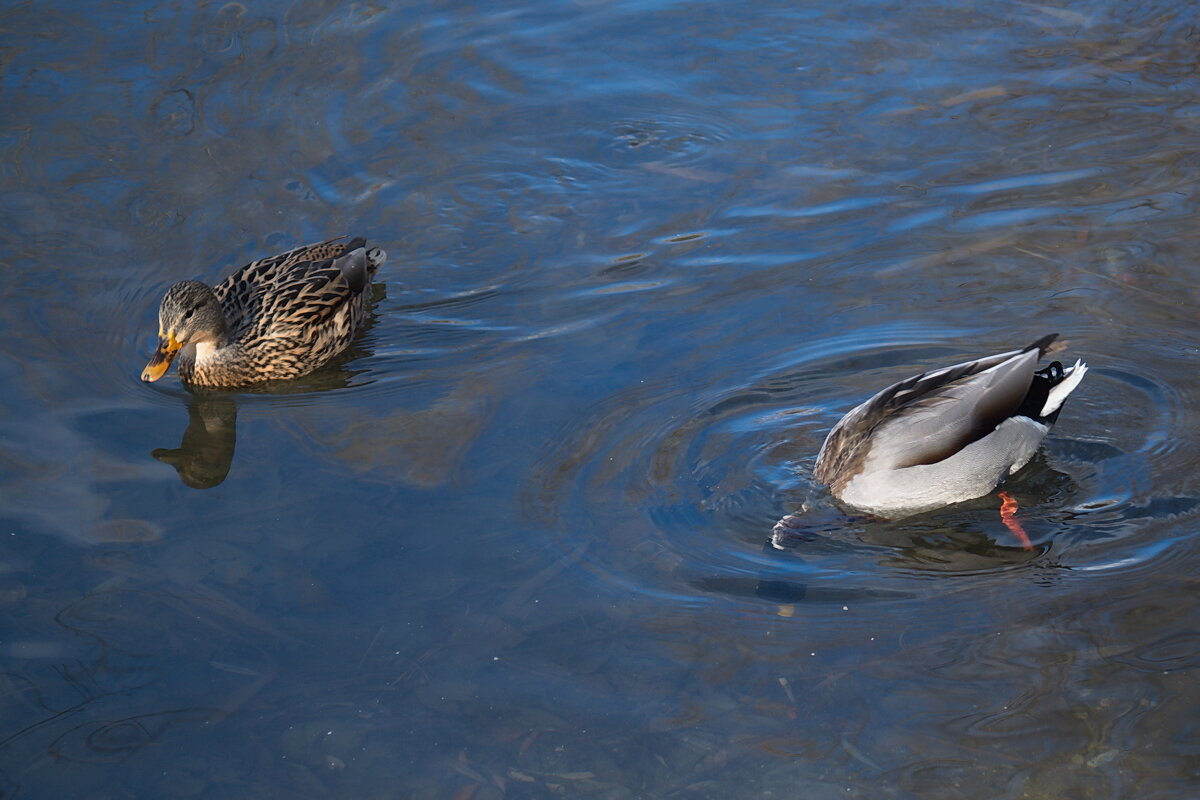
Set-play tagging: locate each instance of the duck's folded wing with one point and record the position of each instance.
(927, 417)
(271, 296)
(942, 420)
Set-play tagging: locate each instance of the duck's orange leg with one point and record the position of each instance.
(1008, 515)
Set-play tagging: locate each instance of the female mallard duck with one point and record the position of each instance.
(945, 436)
(275, 318)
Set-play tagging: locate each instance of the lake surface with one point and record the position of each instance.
(642, 256)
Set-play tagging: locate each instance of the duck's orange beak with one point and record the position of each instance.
(168, 348)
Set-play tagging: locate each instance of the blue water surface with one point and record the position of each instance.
(642, 256)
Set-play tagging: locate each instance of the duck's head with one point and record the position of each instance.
(189, 314)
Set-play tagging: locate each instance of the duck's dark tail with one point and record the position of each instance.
(359, 265)
(1042, 345)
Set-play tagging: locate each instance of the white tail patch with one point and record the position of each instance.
(1058, 394)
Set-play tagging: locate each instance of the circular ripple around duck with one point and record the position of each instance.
(1129, 464)
(680, 493)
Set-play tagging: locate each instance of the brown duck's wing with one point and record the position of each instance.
(312, 300)
(277, 291)
(930, 416)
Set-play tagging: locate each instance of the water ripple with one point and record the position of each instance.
(700, 493)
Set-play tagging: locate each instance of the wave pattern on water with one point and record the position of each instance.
(642, 255)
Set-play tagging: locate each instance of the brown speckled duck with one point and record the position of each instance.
(275, 318)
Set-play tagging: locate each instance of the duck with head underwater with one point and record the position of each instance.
(276, 318)
(945, 436)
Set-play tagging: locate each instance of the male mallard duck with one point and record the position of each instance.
(275, 318)
(945, 436)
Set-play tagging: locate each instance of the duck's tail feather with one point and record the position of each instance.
(1042, 345)
(355, 268)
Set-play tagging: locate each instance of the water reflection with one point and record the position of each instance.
(962, 538)
(934, 545)
(204, 456)
(781, 590)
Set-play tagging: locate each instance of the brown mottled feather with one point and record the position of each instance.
(288, 314)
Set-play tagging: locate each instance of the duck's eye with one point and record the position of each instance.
(188, 314)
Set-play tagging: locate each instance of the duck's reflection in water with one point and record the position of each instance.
(926, 543)
(204, 456)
